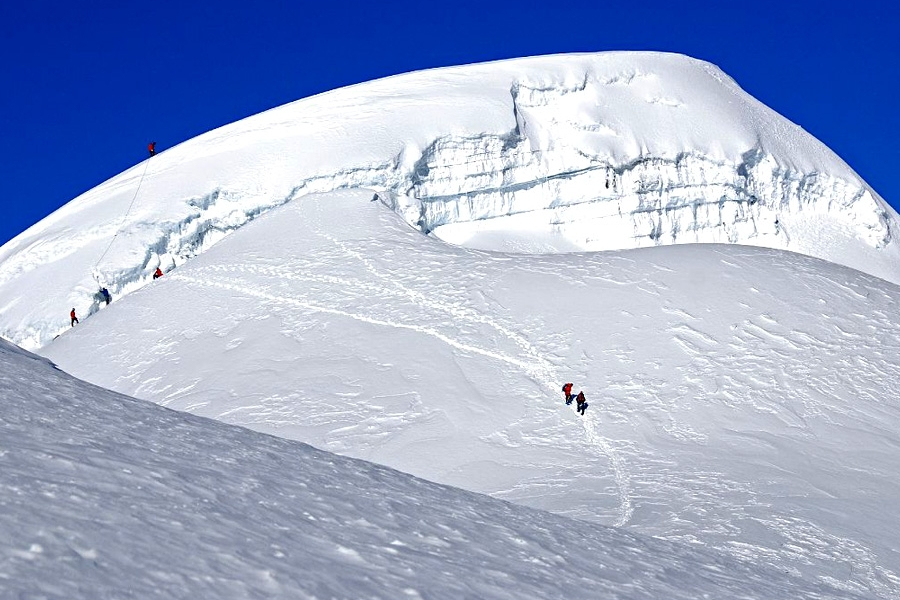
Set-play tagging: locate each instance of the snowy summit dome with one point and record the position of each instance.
(539, 155)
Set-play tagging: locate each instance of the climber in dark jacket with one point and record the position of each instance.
(580, 403)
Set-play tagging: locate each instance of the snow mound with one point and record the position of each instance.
(547, 154)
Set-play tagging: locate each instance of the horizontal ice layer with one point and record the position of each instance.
(598, 205)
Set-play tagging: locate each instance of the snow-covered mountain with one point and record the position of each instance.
(579, 152)
(104, 496)
(741, 397)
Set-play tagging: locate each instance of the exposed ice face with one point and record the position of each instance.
(550, 154)
(600, 205)
(566, 159)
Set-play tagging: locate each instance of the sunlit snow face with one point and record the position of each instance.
(333, 322)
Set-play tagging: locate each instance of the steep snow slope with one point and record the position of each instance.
(103, 496)
(742, 399)
(586, 152)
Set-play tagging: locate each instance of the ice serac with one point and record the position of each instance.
(602, 186)
(548, 154)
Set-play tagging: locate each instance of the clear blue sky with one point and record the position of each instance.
(86, 85)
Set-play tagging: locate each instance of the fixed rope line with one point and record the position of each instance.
(127, 212)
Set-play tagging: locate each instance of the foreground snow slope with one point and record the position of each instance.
(587, 152)
(741, 399)
(103, 496)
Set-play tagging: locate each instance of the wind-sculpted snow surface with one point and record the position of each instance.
(742, 399)
(104, 496)
(549, 154)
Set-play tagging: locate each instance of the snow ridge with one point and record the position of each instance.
(106, 496)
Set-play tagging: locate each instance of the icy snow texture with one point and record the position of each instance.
(600, 151)
(103, 496)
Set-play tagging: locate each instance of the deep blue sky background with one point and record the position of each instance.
(87, 84)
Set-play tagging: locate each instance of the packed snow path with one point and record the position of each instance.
(534, 367)
(740, 398)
